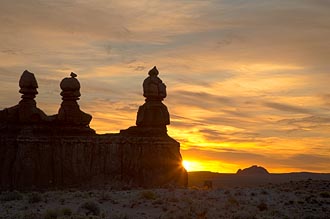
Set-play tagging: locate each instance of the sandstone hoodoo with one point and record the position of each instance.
(70, 114)
(152, 116)
(153, 113)
(60, 151)
(26, 112)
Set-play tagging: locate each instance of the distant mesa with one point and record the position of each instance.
(253, 170)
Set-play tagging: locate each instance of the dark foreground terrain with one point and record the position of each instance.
(300, 199)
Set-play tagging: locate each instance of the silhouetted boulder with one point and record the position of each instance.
(253, 170)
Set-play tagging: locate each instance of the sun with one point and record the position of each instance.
(187, 165)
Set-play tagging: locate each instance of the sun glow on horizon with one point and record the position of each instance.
(209, 165)
(192, 165)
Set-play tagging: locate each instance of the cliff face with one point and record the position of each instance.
(50, 161)
(60, 151)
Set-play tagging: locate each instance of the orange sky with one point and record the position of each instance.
(247, 81)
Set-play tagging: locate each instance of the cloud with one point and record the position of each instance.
(230, 136)
(326, 100)
(199, 99)
(286, 107)
(309, 121)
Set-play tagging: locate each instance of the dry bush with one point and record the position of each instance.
(11, 196)
(34, 197)
(89, 208)
(149, 195)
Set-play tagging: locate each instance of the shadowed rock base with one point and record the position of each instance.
(46, 161)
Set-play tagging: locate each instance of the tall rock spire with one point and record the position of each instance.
(70, 113)
(26, 112)
(153, 113)
(153, 116)
(27, 107)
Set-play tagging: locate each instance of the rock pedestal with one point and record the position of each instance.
(153, 113)
(26, 112)
(152, 116)
(70, 113)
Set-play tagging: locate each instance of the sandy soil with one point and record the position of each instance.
(297, 199)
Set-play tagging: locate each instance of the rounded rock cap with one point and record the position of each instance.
(28, 83)
(28, 80)
(70, 84)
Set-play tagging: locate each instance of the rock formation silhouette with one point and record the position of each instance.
(26, 112)
(153, 113)
(60, 151)
(152, 116)
(70, 113)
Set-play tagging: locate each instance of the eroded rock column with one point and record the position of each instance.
(70, 113)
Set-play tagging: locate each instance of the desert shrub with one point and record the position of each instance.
(313, 217)
(194, 211)
(325, 194)
(78, 194)
(227, 192)
(231, 201)
(79, 217)
(244, 215)
(150, 195)
(62, 201)
(10, 196)
(30, 215)
(104, 197)
(262, 206)
(300, 202)
(66, 211)
(164, 208)
(264, 192)
(34, 197)
(50, 214)
(158, 202)
(119, 216)
(173, 199)
(90, 208)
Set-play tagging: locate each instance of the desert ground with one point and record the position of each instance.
(301, 199)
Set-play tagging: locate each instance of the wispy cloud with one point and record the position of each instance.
(286, 107)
